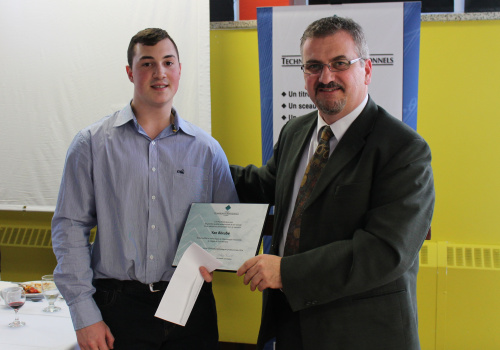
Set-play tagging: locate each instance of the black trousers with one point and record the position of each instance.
(128, 308)
(288, 332)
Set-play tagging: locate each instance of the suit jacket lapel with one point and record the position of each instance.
(293, 151)
(300, 140)
(350, 144)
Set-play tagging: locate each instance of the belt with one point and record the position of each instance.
(132, 286)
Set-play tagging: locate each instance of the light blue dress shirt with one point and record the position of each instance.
(138, 192)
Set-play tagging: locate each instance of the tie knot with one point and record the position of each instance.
(326, 133)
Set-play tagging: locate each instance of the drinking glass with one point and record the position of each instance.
(50, 292)
(15, 297)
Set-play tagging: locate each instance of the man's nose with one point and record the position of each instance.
(326, 75)
(160, 71)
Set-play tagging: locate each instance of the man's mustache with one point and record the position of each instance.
(330, 85)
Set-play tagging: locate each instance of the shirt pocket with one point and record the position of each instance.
(190, 185)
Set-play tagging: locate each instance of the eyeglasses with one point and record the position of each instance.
(335, 66)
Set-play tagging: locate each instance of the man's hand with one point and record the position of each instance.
(262, 271)
(207, 276)
(95, 337)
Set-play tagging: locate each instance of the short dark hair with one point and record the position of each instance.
(148, 37)
(331, 25)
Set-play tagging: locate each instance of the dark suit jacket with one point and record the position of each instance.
(354, 280)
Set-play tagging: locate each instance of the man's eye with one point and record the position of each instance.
(146, 64)
(169, 63)
(340, 64)
(314, 67)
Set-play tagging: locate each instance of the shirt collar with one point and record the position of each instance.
(340, 126)
(124, 116)
(181, 124)
(127, 114)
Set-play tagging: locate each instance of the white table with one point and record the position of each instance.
(43, 330)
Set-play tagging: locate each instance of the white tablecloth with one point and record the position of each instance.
(43, 330)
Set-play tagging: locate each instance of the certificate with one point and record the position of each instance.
(230, 232)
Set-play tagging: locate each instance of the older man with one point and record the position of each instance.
(353, 193)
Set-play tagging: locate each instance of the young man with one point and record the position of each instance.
(344, 255)
(134, 174)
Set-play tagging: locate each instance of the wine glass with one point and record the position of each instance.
(50, 292)
(15, 297)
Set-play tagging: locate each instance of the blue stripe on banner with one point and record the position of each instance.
(411, 50)
(265, 40)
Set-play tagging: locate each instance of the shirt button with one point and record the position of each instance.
(154, 169)
(154, 143)
(151, 257)
(153, 197)
(153, 226)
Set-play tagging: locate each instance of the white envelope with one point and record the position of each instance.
(185, 285)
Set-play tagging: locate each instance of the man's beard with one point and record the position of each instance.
(330, 107)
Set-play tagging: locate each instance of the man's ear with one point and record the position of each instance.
(368, 71)
(129, 73)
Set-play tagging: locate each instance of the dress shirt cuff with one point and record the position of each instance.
(84, 313)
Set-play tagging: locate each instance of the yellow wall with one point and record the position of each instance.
(458, 116)
(235, 91)
(458, 307)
